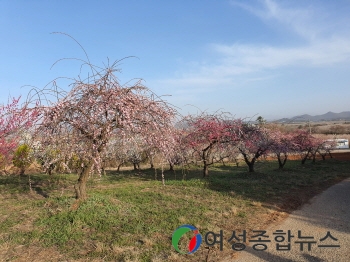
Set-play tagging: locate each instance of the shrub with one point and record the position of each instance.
(22, 158)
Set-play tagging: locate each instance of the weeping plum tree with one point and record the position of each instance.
(83, 121)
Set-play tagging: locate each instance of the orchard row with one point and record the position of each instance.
(100, 121)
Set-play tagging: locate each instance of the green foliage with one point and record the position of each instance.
(261, 120)
(22, 157)
(75, 163)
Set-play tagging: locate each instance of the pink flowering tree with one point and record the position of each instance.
(255, 141)
(115, 153)
(151, 153)
(180, 152)
(235, 154)
(85, 119)
(306, 145)
(322, 147)
(125, 148)
(134, 148)
(15, 119)
(326, 147)
(282, 146)
(207, 134)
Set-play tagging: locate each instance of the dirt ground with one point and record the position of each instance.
(341, 155)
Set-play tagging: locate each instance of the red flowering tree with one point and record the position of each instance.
(83, 121)
(207, 134)
(255, 141)
(14, 120)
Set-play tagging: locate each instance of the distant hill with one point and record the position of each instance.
(330, 116)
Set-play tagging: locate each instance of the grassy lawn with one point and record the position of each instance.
(130, 216)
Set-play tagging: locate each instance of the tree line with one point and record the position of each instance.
(100, 121)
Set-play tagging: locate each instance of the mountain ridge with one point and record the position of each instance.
(329, 116)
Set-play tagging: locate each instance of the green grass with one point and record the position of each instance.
(131, 216)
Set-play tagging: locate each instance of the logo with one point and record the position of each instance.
(194, 243)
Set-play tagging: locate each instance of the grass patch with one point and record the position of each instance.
(131, 216)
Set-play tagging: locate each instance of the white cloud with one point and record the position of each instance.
(300, 20)
(253, 57)
(323, 47)
(236, 60)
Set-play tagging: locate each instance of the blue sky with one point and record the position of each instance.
(253, 57)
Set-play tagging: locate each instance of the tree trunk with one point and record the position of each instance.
(251, 166)
(237, 163)
(135, 166)
(205, 169)
(171, 168)
(250, 163)
(281, 162)
(22, 171)
(303, 160)
(118, 168)
(205, 153)
(306, 157)
(49, 171)
(322, 155)
(313, 154)
(330, 154)
(80, 187)
(151, 162)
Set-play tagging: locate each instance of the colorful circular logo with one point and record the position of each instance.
(194, 243)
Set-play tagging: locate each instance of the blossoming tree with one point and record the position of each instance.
(83, 121)
(15, 118)
(282, 146)
(255, 141)
(207, 135)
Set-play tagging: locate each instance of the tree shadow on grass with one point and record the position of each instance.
(296, 183)
(124, 175)
(42, 184)
(14, 184)
(280, 190)
(40, 191)
(224, 179)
